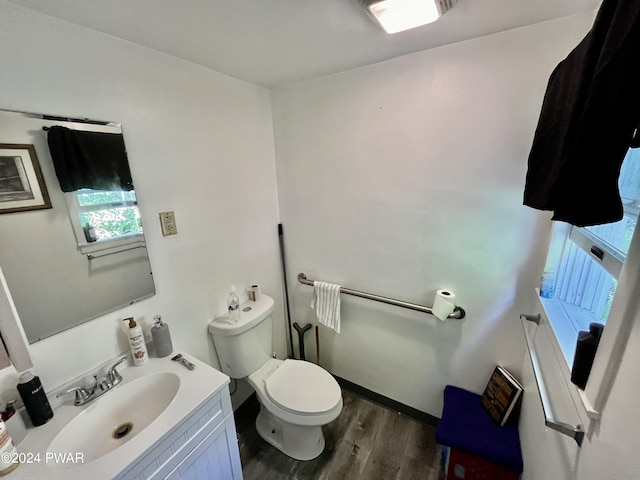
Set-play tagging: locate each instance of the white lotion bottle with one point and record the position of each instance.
(136, 342)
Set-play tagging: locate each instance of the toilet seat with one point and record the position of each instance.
(301, 387)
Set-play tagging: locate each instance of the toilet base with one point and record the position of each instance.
(295, 441)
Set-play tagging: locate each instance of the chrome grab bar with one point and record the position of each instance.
(93, 256)
(458, 312)
(574, 431)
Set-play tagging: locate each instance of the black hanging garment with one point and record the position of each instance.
(590, 113)
(92, 160)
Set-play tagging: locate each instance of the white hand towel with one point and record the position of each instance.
(326, 302)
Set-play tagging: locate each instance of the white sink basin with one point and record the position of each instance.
(117, 416)
(156, 397)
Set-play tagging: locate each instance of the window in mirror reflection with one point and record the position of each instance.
(102, 217)
(39, 249)
(105, 215)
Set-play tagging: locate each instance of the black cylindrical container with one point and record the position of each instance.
(586, 347)
(35, 399)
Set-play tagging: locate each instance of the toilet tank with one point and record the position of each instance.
(244, 347)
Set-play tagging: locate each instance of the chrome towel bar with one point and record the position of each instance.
(458, 312)
(93, 256)
(574, 431)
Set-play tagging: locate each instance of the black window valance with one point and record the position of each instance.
(590, 113)
(92, 160)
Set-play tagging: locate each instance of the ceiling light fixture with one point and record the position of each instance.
(400, 15)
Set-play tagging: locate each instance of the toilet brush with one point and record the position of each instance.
(301, 331)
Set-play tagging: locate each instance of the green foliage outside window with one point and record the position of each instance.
(110, 214)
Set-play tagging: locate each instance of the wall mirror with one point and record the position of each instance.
(74, 255)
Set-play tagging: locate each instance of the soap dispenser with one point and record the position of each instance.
(161, 337)
(136, 342)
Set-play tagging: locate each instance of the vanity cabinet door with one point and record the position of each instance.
(216, 457)
(204, 442)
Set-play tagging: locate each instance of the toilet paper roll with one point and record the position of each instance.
(253, 292)
(256, 292)
(444, 304)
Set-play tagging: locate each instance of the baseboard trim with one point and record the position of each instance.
(389, 403)
(248, 404)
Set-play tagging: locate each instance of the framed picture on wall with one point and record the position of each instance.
(22, 186)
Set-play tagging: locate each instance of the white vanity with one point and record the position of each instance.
(162, 422)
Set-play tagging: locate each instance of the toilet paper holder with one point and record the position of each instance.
(458, 312)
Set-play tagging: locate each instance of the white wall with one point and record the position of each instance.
(611, 452)
(610, 444)
(399, 178)
(405, 177)
(199, 143)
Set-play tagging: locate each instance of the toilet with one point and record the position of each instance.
(296, 397)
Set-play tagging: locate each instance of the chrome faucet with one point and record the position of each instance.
(113, 378)
(100, 385)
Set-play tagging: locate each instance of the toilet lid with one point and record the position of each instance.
(303, 387)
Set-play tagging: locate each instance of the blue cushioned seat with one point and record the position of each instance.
(467, 426)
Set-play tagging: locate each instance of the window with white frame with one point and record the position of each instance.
(584, 263)
(104, 218)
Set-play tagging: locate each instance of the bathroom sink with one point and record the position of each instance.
(116, 417)
(157, 398)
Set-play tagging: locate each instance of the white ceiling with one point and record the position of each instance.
(274, 42)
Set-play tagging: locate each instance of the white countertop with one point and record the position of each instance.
(195, 386)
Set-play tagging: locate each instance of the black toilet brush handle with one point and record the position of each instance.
(301, 331)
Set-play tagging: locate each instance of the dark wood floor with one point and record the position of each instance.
(366, 441)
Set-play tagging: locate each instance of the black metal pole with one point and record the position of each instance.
(286, 289)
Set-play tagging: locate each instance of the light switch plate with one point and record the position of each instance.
(168, 223)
